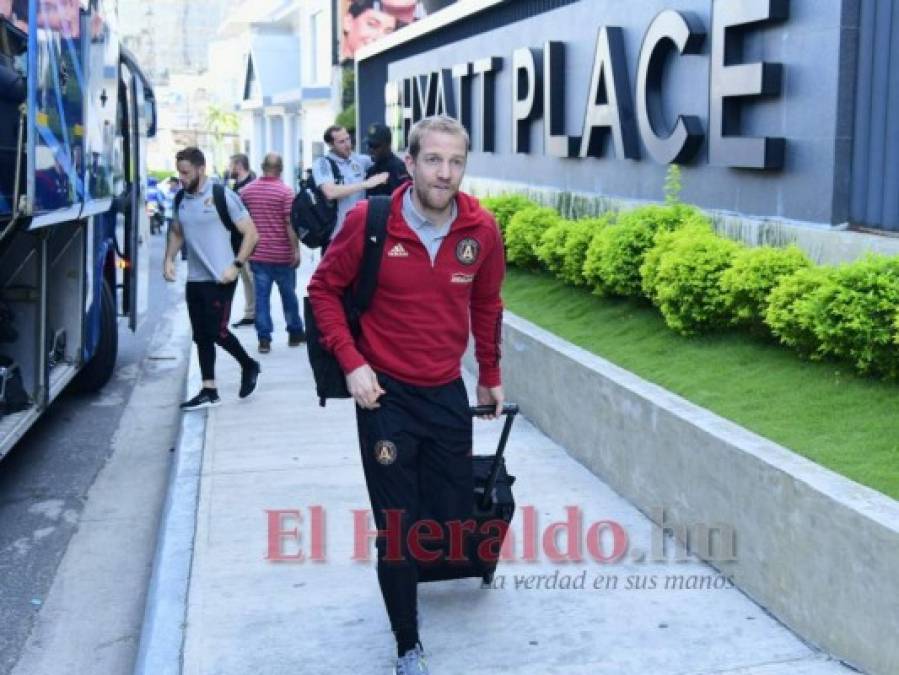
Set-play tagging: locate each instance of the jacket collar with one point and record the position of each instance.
(469, 214)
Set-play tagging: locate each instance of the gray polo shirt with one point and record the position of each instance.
(208, 241)
(352, 171)
(430, 234)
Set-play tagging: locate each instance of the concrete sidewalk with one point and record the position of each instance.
(278, 450)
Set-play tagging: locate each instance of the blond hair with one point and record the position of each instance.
(439, 123)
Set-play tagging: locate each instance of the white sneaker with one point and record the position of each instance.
(412, 663)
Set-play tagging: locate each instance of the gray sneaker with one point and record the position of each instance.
(412, 663)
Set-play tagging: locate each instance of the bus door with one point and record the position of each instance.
(138, 122)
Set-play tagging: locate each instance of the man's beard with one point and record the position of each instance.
(426, 201)
(193, 186)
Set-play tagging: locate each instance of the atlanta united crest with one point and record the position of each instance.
(385, 453)
(467, 251)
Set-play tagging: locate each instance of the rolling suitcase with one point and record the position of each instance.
(493, 503)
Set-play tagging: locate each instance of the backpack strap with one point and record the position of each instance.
(335, 171)
(179, 197)
(375, 236)
(221, 206)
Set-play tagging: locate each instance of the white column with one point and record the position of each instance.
(257, 150)
(289, 156)
(269, 137)
(303, 132)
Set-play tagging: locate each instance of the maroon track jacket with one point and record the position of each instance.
(417, 326)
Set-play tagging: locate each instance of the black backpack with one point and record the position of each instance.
(330, 381)
(312, 215)
(221, 205)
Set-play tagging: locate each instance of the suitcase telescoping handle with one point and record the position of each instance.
(481, 410)
(510, 410)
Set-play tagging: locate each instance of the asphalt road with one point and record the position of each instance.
(45, 481)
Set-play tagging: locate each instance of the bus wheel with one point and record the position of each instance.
(99, 369)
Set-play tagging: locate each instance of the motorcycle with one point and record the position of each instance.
(157, 219)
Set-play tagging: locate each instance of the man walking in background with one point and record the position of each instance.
(212, 270)
(240, 173)
(379, 140)
(277, 254)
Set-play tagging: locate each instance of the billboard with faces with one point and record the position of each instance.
(361, 22)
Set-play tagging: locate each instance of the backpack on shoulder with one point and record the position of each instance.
(221, 206)
(312, 215)
(330, 381)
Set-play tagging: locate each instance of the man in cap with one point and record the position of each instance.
(385, 160)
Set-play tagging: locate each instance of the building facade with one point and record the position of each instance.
(290, 87)
(171, 36)
(776, 111)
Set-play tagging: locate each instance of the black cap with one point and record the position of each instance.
(378, 134)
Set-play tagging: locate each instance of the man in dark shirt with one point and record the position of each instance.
(379, 147)
(239, 172)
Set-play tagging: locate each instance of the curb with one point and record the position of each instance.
(165, 617)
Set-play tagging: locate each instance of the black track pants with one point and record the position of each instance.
(416, 454)
(209, 307)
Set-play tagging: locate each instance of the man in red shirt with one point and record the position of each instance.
(277, 255)
(439, 282)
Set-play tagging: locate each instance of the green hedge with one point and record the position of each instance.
(701, 282)
(792, 307)
(662, 243)
(613, 262)
(550, 250)
(503, 207)
(688, 278)
(580, 235)
(855, 315)
(524, 232)
(754, 274)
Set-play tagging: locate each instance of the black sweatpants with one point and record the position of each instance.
(209, 307)
(416, 454)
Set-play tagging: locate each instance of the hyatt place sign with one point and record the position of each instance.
(539, 83)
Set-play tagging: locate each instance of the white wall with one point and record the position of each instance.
(317, 72)
(227, 70)
(318, 117)
(316, 48)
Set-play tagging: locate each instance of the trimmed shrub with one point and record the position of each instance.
(580, 236)
(855, 314)
(687, 281)
(662, 242)
(754, 273)
(524, 232)
(613, 262)
(792, 307)
(503, 207)
(551, 248)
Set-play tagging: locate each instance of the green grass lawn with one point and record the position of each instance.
(820, 410)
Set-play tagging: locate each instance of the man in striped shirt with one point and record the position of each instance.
(277, 255)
